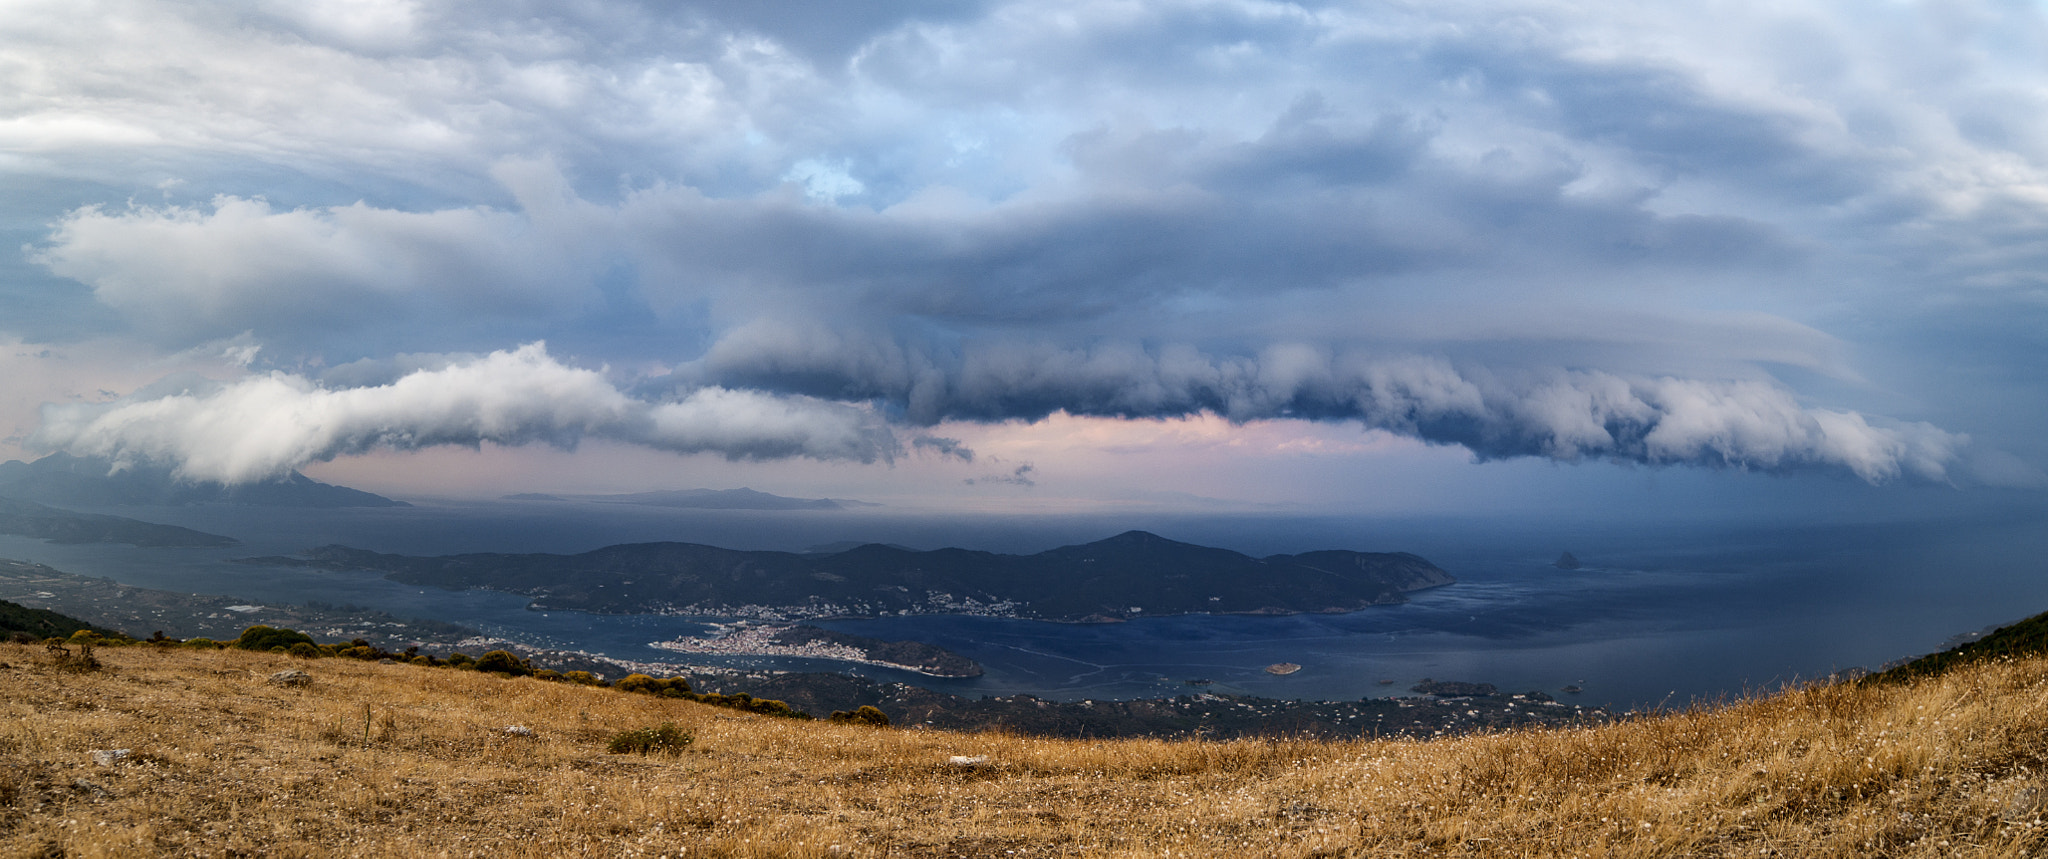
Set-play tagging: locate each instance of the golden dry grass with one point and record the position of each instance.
(224, 764)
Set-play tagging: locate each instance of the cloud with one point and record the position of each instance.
(1557, 414)
(240, 264)
(1019, 476)
(261, 426)
(949, 447)
(1600, 224)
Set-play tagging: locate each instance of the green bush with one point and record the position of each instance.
(261, 637)
(202, 644)
(460, 659)
(748, 703)
(866, 715)
(503, 662)
(306, 650)
(666, 739)
(583, 677)
(673, 687)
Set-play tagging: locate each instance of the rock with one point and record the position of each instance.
(519, 730)
(968, 760)
(2024, 804)
(291, 677)
(108, 757)
(1566, 562)
(1282, 668)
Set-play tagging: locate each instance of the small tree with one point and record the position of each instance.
(503, 662)
(262, 637)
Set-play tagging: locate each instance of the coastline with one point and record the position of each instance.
(743, 639)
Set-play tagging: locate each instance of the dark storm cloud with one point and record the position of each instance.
(1557, 414)
(1600, 225)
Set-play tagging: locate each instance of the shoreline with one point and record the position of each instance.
(762, 641)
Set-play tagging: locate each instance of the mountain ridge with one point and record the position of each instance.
(64, 479)
(1129, 575)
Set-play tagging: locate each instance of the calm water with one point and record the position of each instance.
(1661, 613)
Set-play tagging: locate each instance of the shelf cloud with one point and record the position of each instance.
(1760, 237)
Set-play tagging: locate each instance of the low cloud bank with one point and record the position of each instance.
(1566, 415)
(748, 400)
(263, 426)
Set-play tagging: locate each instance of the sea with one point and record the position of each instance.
(1660, 614)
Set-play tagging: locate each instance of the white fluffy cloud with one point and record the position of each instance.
(264, 425)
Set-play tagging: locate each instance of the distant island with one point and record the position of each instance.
(1134, 574)
(703, 499)
(63, 479)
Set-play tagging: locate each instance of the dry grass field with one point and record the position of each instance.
(402, 760)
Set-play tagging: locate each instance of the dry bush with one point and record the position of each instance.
(223, 764)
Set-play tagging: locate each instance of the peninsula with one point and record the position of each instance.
(810, 642)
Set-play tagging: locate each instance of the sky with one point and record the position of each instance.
(1370, 257)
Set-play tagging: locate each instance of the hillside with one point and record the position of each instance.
(1124, 576)
(20, 620)
(29, 519)
(402, 760)
(64, 479)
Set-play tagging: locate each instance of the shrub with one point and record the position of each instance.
(866, 715)
(584, 677)
(503, 662)
(305, 650)
(460, 659)
(202, 644)
(673, 687)
(262, 637)
(63, 659)
(748, 703)
(666, 739)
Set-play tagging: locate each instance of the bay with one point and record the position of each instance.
(1661, 614)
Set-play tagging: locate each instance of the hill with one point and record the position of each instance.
(29, 519)
(1124, 576)
(402, 760)
(63, 479)
(20, 620)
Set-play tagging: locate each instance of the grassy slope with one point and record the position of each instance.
(224, 763)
